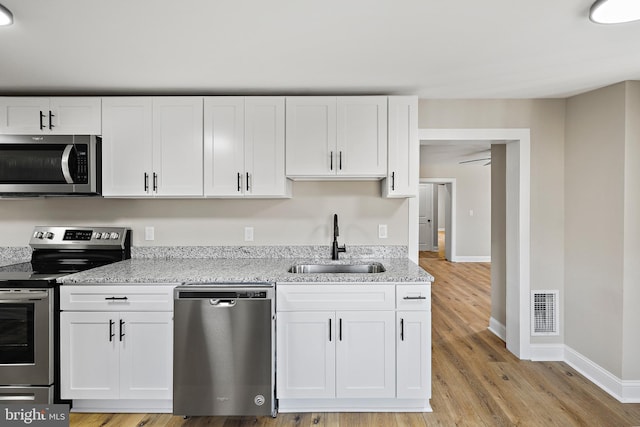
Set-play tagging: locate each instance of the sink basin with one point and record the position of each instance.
(371, 267)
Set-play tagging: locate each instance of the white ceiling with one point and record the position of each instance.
(431, 48)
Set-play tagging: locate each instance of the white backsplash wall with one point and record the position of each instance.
(306, 219)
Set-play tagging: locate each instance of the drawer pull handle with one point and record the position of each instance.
(116, 298)
(410, 298)
(121, 329)
(111, 334)
(329, 329)
(401, 329)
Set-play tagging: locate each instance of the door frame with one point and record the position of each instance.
(518, 188)
(450, 221)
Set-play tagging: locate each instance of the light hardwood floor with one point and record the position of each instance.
(476, 381)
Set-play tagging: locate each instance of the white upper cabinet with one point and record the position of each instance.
(336, 137)
(60, 115)
(404, 151)
(152, 147)
(244, 147)
(177, 146)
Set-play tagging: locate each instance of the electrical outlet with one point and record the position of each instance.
(248, 234)
(382, 231)
(149, 233)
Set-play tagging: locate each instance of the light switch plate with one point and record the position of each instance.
(248, 234)
(149, 233)
(382, 231)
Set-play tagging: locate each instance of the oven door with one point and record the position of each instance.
(26, 337)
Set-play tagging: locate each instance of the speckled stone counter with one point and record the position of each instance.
(240, 269)
(14, 255)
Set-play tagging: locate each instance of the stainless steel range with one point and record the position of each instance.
(29, 305)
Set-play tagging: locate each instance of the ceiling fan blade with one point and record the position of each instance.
(475, 160)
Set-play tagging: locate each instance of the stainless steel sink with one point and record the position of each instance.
(370, 267)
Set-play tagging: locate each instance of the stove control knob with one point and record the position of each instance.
(105, 236)
(115, 235)
(97, 235)
(49, 235)
(38, 235)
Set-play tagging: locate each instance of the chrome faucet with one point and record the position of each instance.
(335, 250)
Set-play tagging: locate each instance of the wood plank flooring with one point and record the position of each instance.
(476, 381)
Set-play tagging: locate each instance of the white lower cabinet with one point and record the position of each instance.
(110, 355)
(353, 347)
(414, 354)
(114, 357)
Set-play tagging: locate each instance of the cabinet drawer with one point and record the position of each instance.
(413, 297)
(345, 296)
(149, 297)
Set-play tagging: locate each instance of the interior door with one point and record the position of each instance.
(425, 217)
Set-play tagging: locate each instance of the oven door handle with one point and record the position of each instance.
(34, 296)
(19, 397)
(65, 164)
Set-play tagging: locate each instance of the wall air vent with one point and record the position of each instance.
(544, 313)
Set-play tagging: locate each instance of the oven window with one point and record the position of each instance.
(16, 333)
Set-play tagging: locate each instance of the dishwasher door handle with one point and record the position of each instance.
(219, 302)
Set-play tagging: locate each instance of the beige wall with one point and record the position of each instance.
(594, 231)
(306, 219)
(545, 118)
(499, 233)
(631, 289)
(473, 192)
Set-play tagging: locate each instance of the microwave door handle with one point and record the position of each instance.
(65, 164)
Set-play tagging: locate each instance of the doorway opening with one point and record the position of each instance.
(517, 225)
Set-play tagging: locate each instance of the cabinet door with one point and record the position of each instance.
(306, 343)
(362, 136)
(365, 354)
(88, 355)
(177, 146)
(264, 147)
(311, 136)
(127, 146)
(224, 173)
(146, 355)
(404, 158)
(24, 115)
(76, 115)
(414, 354)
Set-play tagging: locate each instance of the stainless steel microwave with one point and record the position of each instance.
(50, 165)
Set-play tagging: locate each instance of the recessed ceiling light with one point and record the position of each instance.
(6, 17)
(615, 11)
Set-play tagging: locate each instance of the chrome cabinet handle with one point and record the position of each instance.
(41, 123)
(146, 182)
(111, 334)
(401, 329)
(121, 329)
(393, 181)
(116, 298)
(239, 181)
(330, 160)
(247, 181)
(410, 298)
(340, 330)
(51, 116)
(329, 329)
(340, 162)
(155, 182)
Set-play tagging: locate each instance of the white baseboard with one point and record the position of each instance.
(548, 352)
(498, 329)
(471, 259)
(623, 391)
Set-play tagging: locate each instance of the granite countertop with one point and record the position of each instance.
(236, 270)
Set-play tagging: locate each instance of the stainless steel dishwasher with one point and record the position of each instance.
(223, 350)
